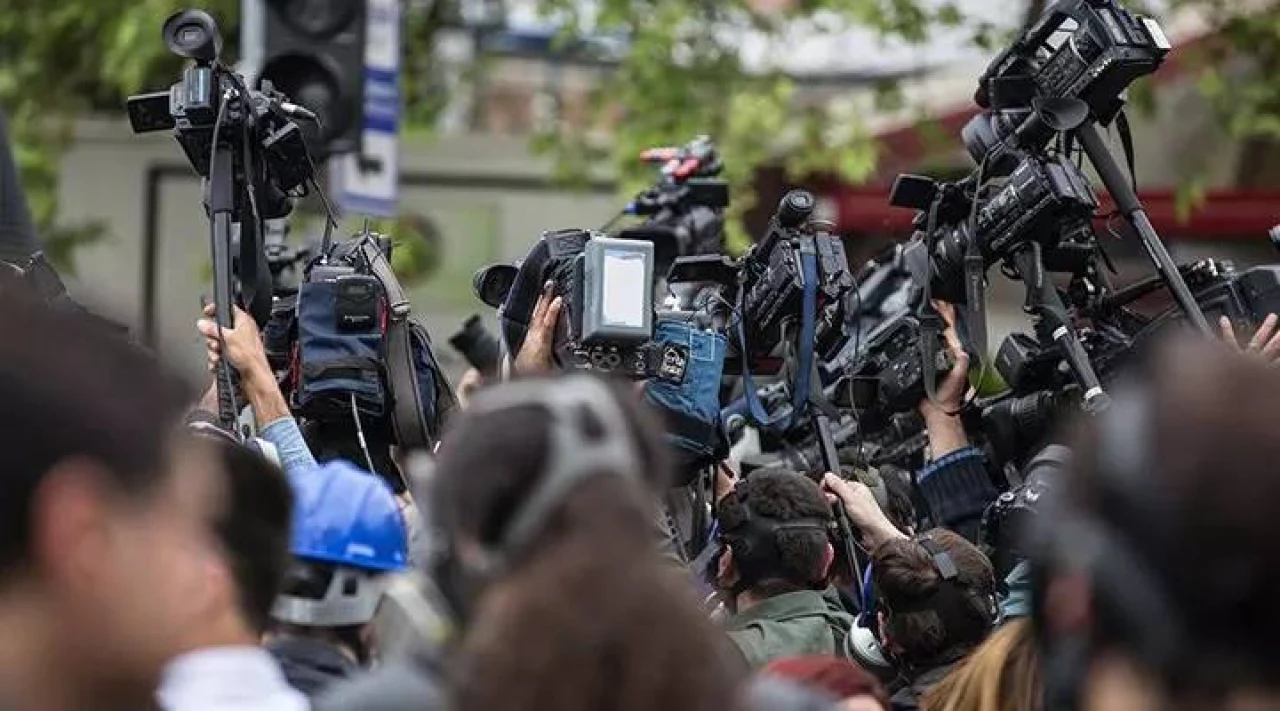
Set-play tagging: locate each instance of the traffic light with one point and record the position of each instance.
(313, 51)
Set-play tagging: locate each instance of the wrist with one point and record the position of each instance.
(880, 532)
(946, 433)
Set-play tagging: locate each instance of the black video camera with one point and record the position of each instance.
(481, 348)
(1046, 200)
(889, 376)
(212, 101)
(606, 286)
(683, 209)
(773, 281)
(1090, 50)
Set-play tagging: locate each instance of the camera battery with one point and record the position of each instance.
(356, 302)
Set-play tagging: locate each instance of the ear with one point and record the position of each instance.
(828, 557)
(70, 524)
(726, 569)
(882, 623)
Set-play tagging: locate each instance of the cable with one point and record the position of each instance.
(364, 445)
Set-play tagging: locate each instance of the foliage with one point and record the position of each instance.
(1247, 95)
(59, 60)
(684, 76)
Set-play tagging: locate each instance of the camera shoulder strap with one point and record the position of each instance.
(808, 327)
(407, 419)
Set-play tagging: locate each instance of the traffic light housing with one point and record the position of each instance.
(314, 52)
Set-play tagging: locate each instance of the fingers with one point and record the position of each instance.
(552, 315)
(543, 304)
(209, 329)
(208, 309)
(946, 310)
(1271, 350)
(1264, 334)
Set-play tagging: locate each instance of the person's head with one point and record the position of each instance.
(1159, 570)
(773, 530)
(547, 489)
(252, 532)
(348, 535)
(1003, 674)
(899, 507)
(936, 597)
(105, 511)
(849, 684)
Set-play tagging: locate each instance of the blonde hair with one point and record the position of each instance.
(1002, 674)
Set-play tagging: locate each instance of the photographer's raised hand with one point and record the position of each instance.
(864, 513)
(946, 432)
(245, 352)
(536, 353)
(1265, 342)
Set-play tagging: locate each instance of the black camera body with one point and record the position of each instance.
(773, 281)
(888, 377)
(1105, 49)
(1046, 200)
(191, 109)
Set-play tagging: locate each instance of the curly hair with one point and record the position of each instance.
(908, 583)
(781, 495)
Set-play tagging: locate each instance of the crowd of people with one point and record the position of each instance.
(151, 559)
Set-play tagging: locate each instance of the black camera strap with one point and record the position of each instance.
(926, 314)
(406, 416)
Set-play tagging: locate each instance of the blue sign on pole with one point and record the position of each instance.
(368, 183)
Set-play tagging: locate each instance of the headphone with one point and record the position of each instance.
(754, 541)
(588, 437)
(863, 644)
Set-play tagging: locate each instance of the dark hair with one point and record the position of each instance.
(781, 495)
(1203, 522)
(931, 621)
(588, 616)
(900, 509)
(253, 528)
(68, 389)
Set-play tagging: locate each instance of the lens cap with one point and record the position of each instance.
(492, 283)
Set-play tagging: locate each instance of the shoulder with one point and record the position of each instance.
(398, 686)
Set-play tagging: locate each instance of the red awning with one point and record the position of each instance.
(1223, 216)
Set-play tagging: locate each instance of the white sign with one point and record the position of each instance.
(368, 183)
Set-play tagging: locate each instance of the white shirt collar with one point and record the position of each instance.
(223, 678)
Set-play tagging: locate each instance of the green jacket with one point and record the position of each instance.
(790, 625)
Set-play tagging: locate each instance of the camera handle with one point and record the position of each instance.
(831, 463)
(1130, 206)
(220, 190)
(1046, 307)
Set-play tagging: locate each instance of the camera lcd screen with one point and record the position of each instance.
(625, 285)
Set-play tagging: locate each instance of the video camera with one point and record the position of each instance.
(1086, 51)
(250, 152)
(606, 285)
(774, 280)
(683, 213)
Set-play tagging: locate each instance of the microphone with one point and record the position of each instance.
(294, 111)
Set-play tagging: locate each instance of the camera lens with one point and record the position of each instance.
(491, 284)
(481, 349)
